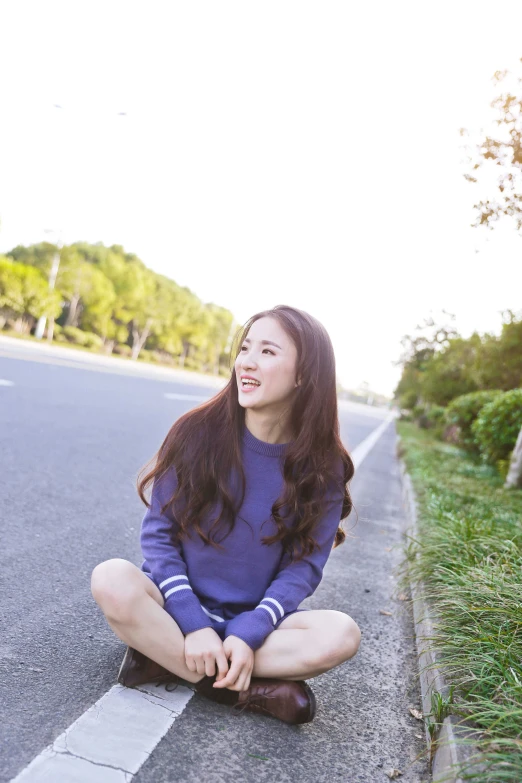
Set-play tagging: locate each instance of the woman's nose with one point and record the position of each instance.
(248, 362)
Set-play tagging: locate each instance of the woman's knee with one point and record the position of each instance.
(339, 643)
(115, 588)
(351, 636)
(347, 638)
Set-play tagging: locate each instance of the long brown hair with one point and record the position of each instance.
(204, 447)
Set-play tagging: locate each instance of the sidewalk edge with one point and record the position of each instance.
(450, 752)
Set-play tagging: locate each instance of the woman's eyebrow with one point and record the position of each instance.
(264, 342)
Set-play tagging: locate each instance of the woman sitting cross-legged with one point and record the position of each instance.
(248, 492)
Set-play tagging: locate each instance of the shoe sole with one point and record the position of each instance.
(313, 703)
(124, 665)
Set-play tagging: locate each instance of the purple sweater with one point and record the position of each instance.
(248, 584)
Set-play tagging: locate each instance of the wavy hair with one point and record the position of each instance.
(204, 447)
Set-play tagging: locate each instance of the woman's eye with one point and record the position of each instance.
(266, 349)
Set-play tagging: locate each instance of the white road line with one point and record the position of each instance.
(363, 449)
(175, 396)
(6, 383)
(112, 739)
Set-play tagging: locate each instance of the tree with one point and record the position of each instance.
(500, 357)
(498, 157)
(25, 295)
(502, 154)
(451, 372)
(419, 351)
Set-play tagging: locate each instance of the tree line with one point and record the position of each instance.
(439, 365)
(106, 298)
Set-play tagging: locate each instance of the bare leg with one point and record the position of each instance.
(307, 644)
(133, 608)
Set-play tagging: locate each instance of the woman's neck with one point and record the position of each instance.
(264, 428)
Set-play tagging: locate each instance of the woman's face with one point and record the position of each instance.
(272, 365)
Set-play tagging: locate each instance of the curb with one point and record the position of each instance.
(132, 367)
(449, 750)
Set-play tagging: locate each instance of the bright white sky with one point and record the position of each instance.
(283, 152)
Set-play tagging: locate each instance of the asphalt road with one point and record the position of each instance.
(74, 434)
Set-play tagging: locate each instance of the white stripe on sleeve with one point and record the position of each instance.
(270, 612)
(172, 579)
(212, 616)
(276, 604)
(175, 590)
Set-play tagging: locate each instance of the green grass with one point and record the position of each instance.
(469, 558)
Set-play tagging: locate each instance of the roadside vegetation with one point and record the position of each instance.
(461, 440)
(468, 556)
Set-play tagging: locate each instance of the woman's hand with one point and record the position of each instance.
(203, 650)
(241, 657)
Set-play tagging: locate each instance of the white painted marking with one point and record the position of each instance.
(112, 739)
(6, 383)
(175, 396)
(363, 449)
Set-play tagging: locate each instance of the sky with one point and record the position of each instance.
(289, 152)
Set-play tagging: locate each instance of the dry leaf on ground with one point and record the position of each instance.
(393, 773)
(402, 597)
(383, 611)
(416, 713)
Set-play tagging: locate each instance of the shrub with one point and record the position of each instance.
(450, 434)
(74, 335)
(146, 355)
(78, 336)
(93, 340)
(429, 417)
(122, 350)
(496, 428)
(435, 419)
(162, 357)
(191, 364)
(463, 411)
(436, 414)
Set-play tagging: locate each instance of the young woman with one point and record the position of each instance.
(248, 492)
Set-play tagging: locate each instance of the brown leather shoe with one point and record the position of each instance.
(291, 701)
(137, 669)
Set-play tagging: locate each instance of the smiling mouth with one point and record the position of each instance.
(248, 385)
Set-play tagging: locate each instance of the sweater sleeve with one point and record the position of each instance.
(165, 561)
(295, 581)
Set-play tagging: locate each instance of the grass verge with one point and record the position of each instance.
(469, 558)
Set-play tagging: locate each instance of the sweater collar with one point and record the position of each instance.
(261, 446)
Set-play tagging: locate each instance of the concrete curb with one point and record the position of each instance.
(453, 748)
(116, 363)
